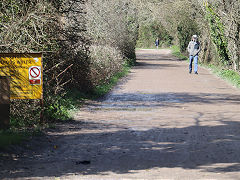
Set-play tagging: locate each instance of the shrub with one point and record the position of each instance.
(105, 62)
(113, 23)
(186, 28)
(217, 34)
(148, 33)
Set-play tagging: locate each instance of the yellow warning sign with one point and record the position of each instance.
(25, 71)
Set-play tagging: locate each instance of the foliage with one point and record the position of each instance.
(105, 62)
(113, 23)
(149, 32)
(104, 88)
(61, 109)
(232, 76)
(229, 75)
(186, 28)
(177, 53)
(25, 113)
(217, 34)
(27, 26)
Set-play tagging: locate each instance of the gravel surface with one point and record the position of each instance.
(160, 122)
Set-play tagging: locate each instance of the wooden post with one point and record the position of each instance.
(4, 102)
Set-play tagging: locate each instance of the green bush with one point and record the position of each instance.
(231, 76)
(177, 53)
(24, 113)
(149, 33)
(186, 28)
(104, 88)
(113, 24)
(217, 34)
(63, 106)
(105, 62)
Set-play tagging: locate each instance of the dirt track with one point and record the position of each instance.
(159, 123)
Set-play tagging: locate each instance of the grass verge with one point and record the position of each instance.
(63, 106)
(177, 53)
(103, 89)
(228, 75)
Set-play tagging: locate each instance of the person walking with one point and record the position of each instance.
(194, 48)
(157, 43)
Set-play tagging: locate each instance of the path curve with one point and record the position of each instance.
(159, 123)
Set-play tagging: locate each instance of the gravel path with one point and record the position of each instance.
(159, 123)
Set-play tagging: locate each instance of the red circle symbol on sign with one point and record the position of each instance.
(34, 72)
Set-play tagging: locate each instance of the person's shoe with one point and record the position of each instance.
(196, 72)
(190, 72)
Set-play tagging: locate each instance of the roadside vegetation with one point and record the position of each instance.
(229, 75)
(89, 45)
(177, 53)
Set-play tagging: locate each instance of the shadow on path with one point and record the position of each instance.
(152, 65)
(190, 148)
(151, 100)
